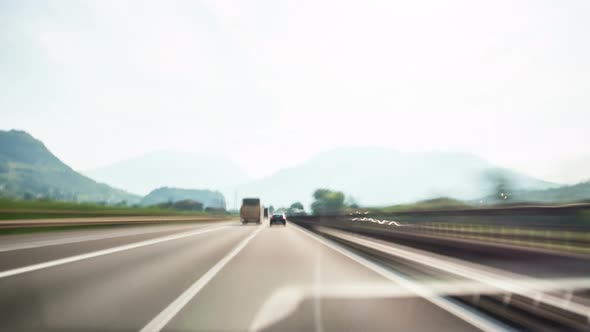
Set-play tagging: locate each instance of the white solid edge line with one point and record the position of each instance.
(462, 312)
(166, 315)
(103, 252)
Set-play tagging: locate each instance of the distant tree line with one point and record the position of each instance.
(184, 205)
(325, 202)
(328, 201)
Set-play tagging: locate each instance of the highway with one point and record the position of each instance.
(220, 276)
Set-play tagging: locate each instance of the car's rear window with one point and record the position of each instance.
(251, 201)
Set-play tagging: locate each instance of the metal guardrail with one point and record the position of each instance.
(560, 229)
(574, 216)
(556, 241)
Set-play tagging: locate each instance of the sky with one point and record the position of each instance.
(103, 81)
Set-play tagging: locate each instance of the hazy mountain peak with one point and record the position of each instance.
(171, 169)
(381, 176)
(19, 146)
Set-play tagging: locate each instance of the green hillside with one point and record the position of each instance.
(442, 203)
(29, 170)
(567, 194)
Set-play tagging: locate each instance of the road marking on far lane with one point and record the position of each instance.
(166, 315)
(462, 312)
(92, 237)
(76, 258)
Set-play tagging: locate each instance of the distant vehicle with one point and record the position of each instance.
(278, 218)
(266, 212)
(251, 211)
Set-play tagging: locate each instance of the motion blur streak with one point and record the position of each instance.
(499, 279)
(464, 313)
(442, 288)
(66, 260)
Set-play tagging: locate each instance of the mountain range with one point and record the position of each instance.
(370, 176)
(380, 176)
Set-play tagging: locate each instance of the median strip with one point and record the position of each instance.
(98, 253)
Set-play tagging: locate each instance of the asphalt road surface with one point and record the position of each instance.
(207, 277)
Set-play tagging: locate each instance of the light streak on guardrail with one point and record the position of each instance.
(381, 222)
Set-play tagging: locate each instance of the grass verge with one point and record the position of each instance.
(19, 209)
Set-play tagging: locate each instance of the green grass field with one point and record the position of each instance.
(432, 204)
(21, 209)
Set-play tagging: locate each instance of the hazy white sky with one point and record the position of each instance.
(108, 80)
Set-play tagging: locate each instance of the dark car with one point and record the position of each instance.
(278, 218)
